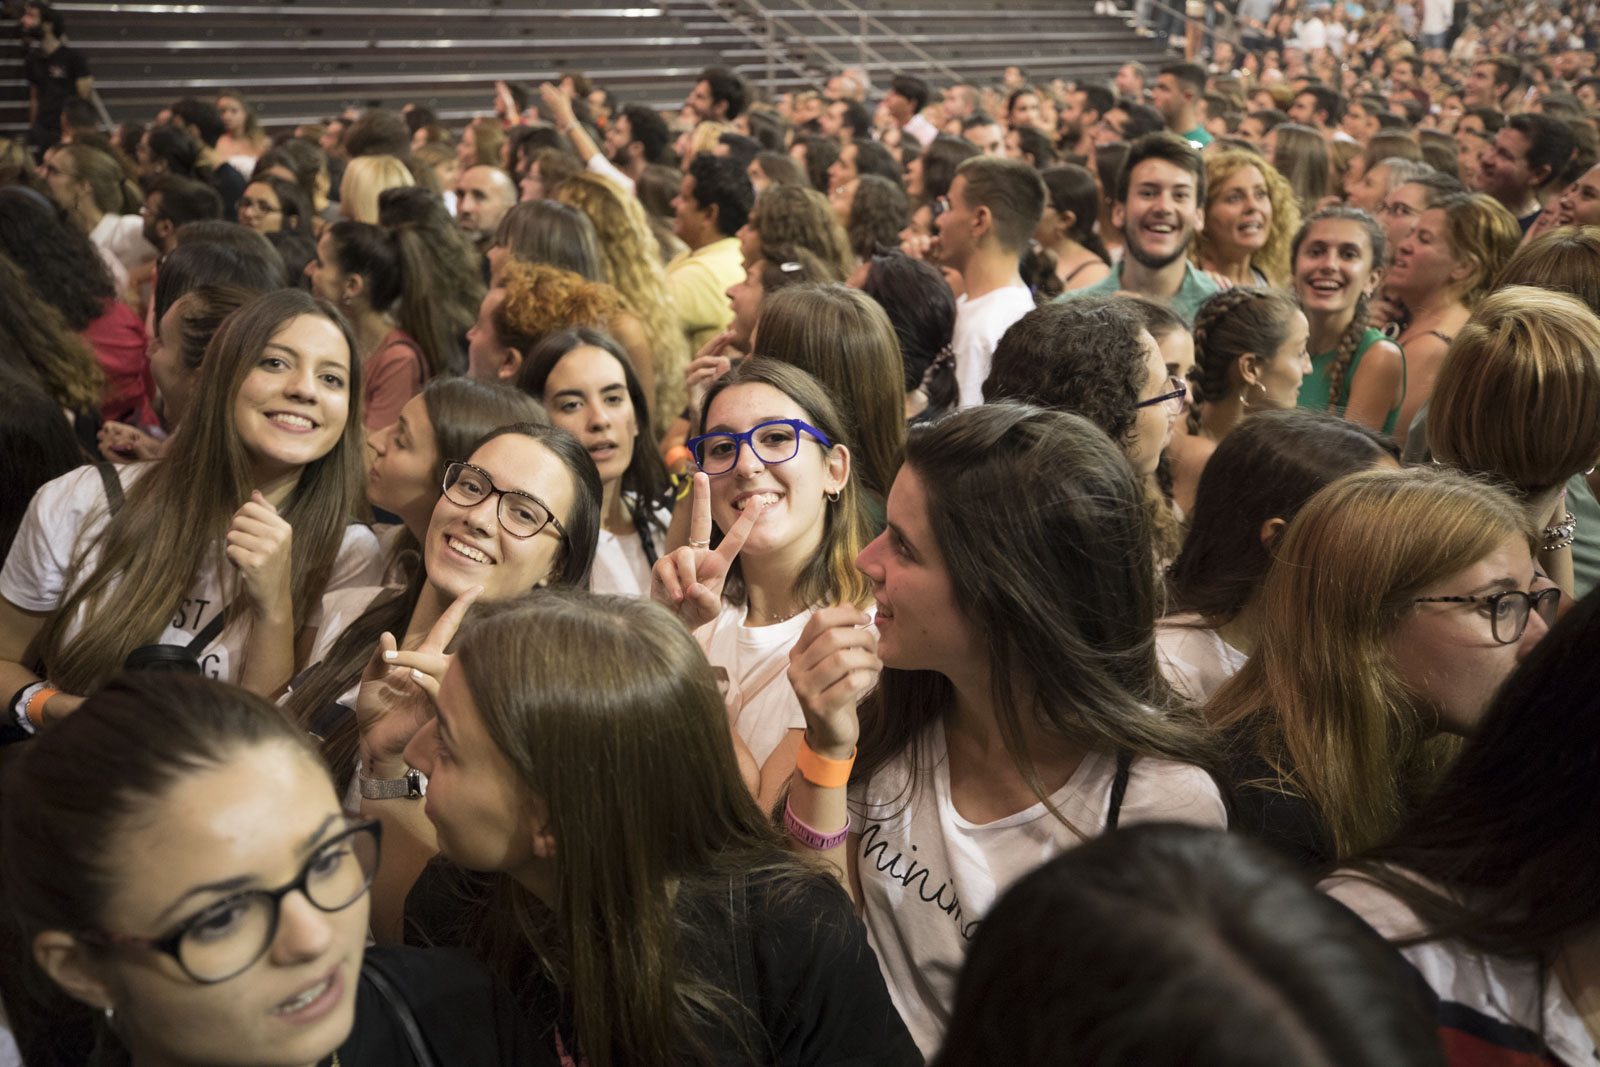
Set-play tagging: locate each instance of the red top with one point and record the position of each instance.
(391, 375)
(119, 343)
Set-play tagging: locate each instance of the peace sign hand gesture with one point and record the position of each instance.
(398, 689)
(689, 580)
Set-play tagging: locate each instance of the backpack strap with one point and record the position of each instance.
(112, 483)
(1119, 787)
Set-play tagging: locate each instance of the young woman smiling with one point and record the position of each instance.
(212, 907)
(1020, 708)
(245, 521)
(1250, 215)
(588, 388)
(775, 476)
(1250, 355)
(1358, 373)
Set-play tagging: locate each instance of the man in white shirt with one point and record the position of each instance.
(907, 96)
(995, 205)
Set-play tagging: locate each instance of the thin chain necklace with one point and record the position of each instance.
(753, 610)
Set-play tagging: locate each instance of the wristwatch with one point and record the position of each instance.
(408, 786)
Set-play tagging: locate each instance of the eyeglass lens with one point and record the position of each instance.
(773, 442)
(519, 514)
(232, 935)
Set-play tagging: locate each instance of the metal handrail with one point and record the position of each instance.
(878, 24)
(767, 44)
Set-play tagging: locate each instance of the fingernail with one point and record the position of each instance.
(390, 655)
(416, 674)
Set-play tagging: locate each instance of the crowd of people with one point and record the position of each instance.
(1024, 573)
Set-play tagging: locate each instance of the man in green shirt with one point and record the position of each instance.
(1161, 195)
(1178, 86)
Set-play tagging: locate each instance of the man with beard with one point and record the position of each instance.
(483, 196)
(636, 138)
(55, 72)
(1085, 103)
(173, 201)
(995, 205)
(1161, 195)
(1522, 166)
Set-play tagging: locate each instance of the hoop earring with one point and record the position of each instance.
(833, 497)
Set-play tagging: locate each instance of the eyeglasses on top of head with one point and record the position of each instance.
(521, 515)
(225, 939)
(776, 441)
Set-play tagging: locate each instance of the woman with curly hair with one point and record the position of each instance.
(1250, 355)
(873, 211)
(1338, 258)
(803, 218)
(1250, 216)
(36, 344)
(68, 274)
(531, 301)
(633, 269)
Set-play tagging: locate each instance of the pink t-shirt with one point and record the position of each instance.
(393, 374)
(119, 343)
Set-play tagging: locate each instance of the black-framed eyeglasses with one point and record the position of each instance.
(521, 515)
(1508, 611)
(225, 939)
(772, 442)
(1176, 397)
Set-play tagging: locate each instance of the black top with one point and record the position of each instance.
(230, 185)
(1272, 811)
(56, 77)
(794, 954)
(461, 1015)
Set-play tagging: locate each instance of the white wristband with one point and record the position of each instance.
(20, 708)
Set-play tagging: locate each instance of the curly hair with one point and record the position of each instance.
(541, 300)
(633, 267)
(1480, 228)
(792, 215)
(1228, 325)
(1085, 355)
(1273, 258)
(64, 267)
(878, 212)
(35, 340)
(1338, 388)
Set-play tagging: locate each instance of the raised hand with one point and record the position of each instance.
(260, 547)
(832, 665)
(689, 580)
(397, 690)
(709, 364)
(558, 105)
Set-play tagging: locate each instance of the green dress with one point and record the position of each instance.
(1314, 390)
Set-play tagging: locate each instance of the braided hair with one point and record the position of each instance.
(1338, 388)
(1228, 325)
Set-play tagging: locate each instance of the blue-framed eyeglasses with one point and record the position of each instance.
(772, 442)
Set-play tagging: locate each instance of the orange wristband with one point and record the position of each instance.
(822, 771)
(36, 705)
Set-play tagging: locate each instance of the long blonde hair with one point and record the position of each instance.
(1321, 700)
(175, 517)
(633, 266)
(1273, 258)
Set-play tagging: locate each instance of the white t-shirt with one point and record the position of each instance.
(980, 324)
(122, 236)
(1195, 659)
(928, 876)
(620, 563)
(68, 511)
(1436, 15)
(1508, 992)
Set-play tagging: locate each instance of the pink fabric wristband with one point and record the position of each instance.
(809, 836)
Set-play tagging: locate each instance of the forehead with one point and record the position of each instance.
(586, 364)
(518, 462)
(260, 189)
(1160, 172)
(1244, 176)
(1513, 142)
(313, 337)
(742, 406)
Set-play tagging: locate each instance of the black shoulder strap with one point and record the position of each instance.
(211, 631)
(402, 1013)
(1119, 786)
(113, 484)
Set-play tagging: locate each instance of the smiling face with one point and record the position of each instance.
(745, 296)
(792, 524)
(1580, 204)
(1333, 267)
(843, 169)
(467, 546)
(1447, 654)
(1503, 170)
(292, 406)
(1239, 214)
(1161, 214)
(586, 394)
(254, 818)
(405, 471)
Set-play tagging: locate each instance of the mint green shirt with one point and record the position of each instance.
(1190, 295)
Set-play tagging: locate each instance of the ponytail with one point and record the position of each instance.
(420, 315)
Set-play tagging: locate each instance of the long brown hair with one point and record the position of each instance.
(1040, 521)
(830, 575)
(844, 339)
(35, 340)
(1320, 700)
(175, 517)
(565, 683)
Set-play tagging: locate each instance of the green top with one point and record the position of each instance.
(1197, 137)
(1197, 285)
(1314, 390)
